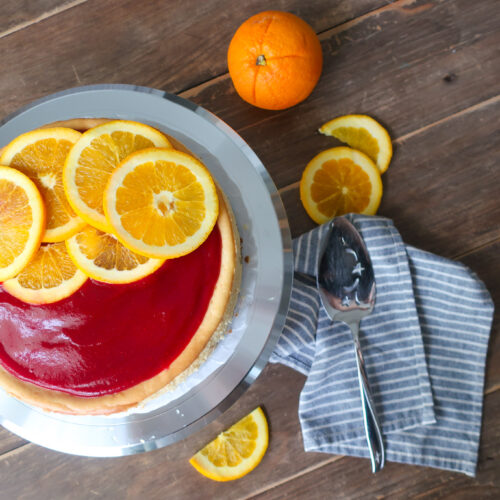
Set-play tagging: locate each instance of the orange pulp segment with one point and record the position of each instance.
(51, 276)
(22, 221)
(102, 257)
(338, 181)
(363, 133)
(40, 154)
(236, 451)
(161, 203)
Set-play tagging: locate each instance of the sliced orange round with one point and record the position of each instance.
(161, 203)
(235, 452)
(93, 159)
(40, 154)
(102, 257)
(51, 276)
(363, 133)
(338, 181)
(22, 221)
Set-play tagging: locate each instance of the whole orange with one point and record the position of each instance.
(274, 60)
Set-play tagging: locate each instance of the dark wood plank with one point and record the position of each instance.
(486, 263)
(409, 64)
(17, 14)
(351, 477)
(161, 44)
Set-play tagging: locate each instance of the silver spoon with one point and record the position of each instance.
(346, 284)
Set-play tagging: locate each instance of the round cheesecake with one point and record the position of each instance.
(107, 348)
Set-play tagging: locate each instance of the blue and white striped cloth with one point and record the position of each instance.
(424, 345)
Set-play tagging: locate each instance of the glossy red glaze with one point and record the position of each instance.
(107, 338)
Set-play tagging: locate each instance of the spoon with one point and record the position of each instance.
(346, 285)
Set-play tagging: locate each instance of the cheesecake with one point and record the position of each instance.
(108, 348)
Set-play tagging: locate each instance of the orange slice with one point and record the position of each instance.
(235, 452)
(40, 154)
(22, 221)
(363, 133)
(102, 257)
(161, 203)
(93, 159)
(51, 276)
(338, 181)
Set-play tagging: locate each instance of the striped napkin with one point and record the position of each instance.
(424, 346)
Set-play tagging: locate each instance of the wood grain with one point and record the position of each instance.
(161, 44)
(444, 176)
(351, 477)
(19, 14)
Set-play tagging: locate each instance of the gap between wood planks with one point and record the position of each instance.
(61, 8)
(41, 17)
(312, 468)
(13, 451)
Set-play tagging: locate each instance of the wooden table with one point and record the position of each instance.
(429, 70)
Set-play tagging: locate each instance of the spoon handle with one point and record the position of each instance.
(372, 425)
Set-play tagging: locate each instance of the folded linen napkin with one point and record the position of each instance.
(424, 346)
